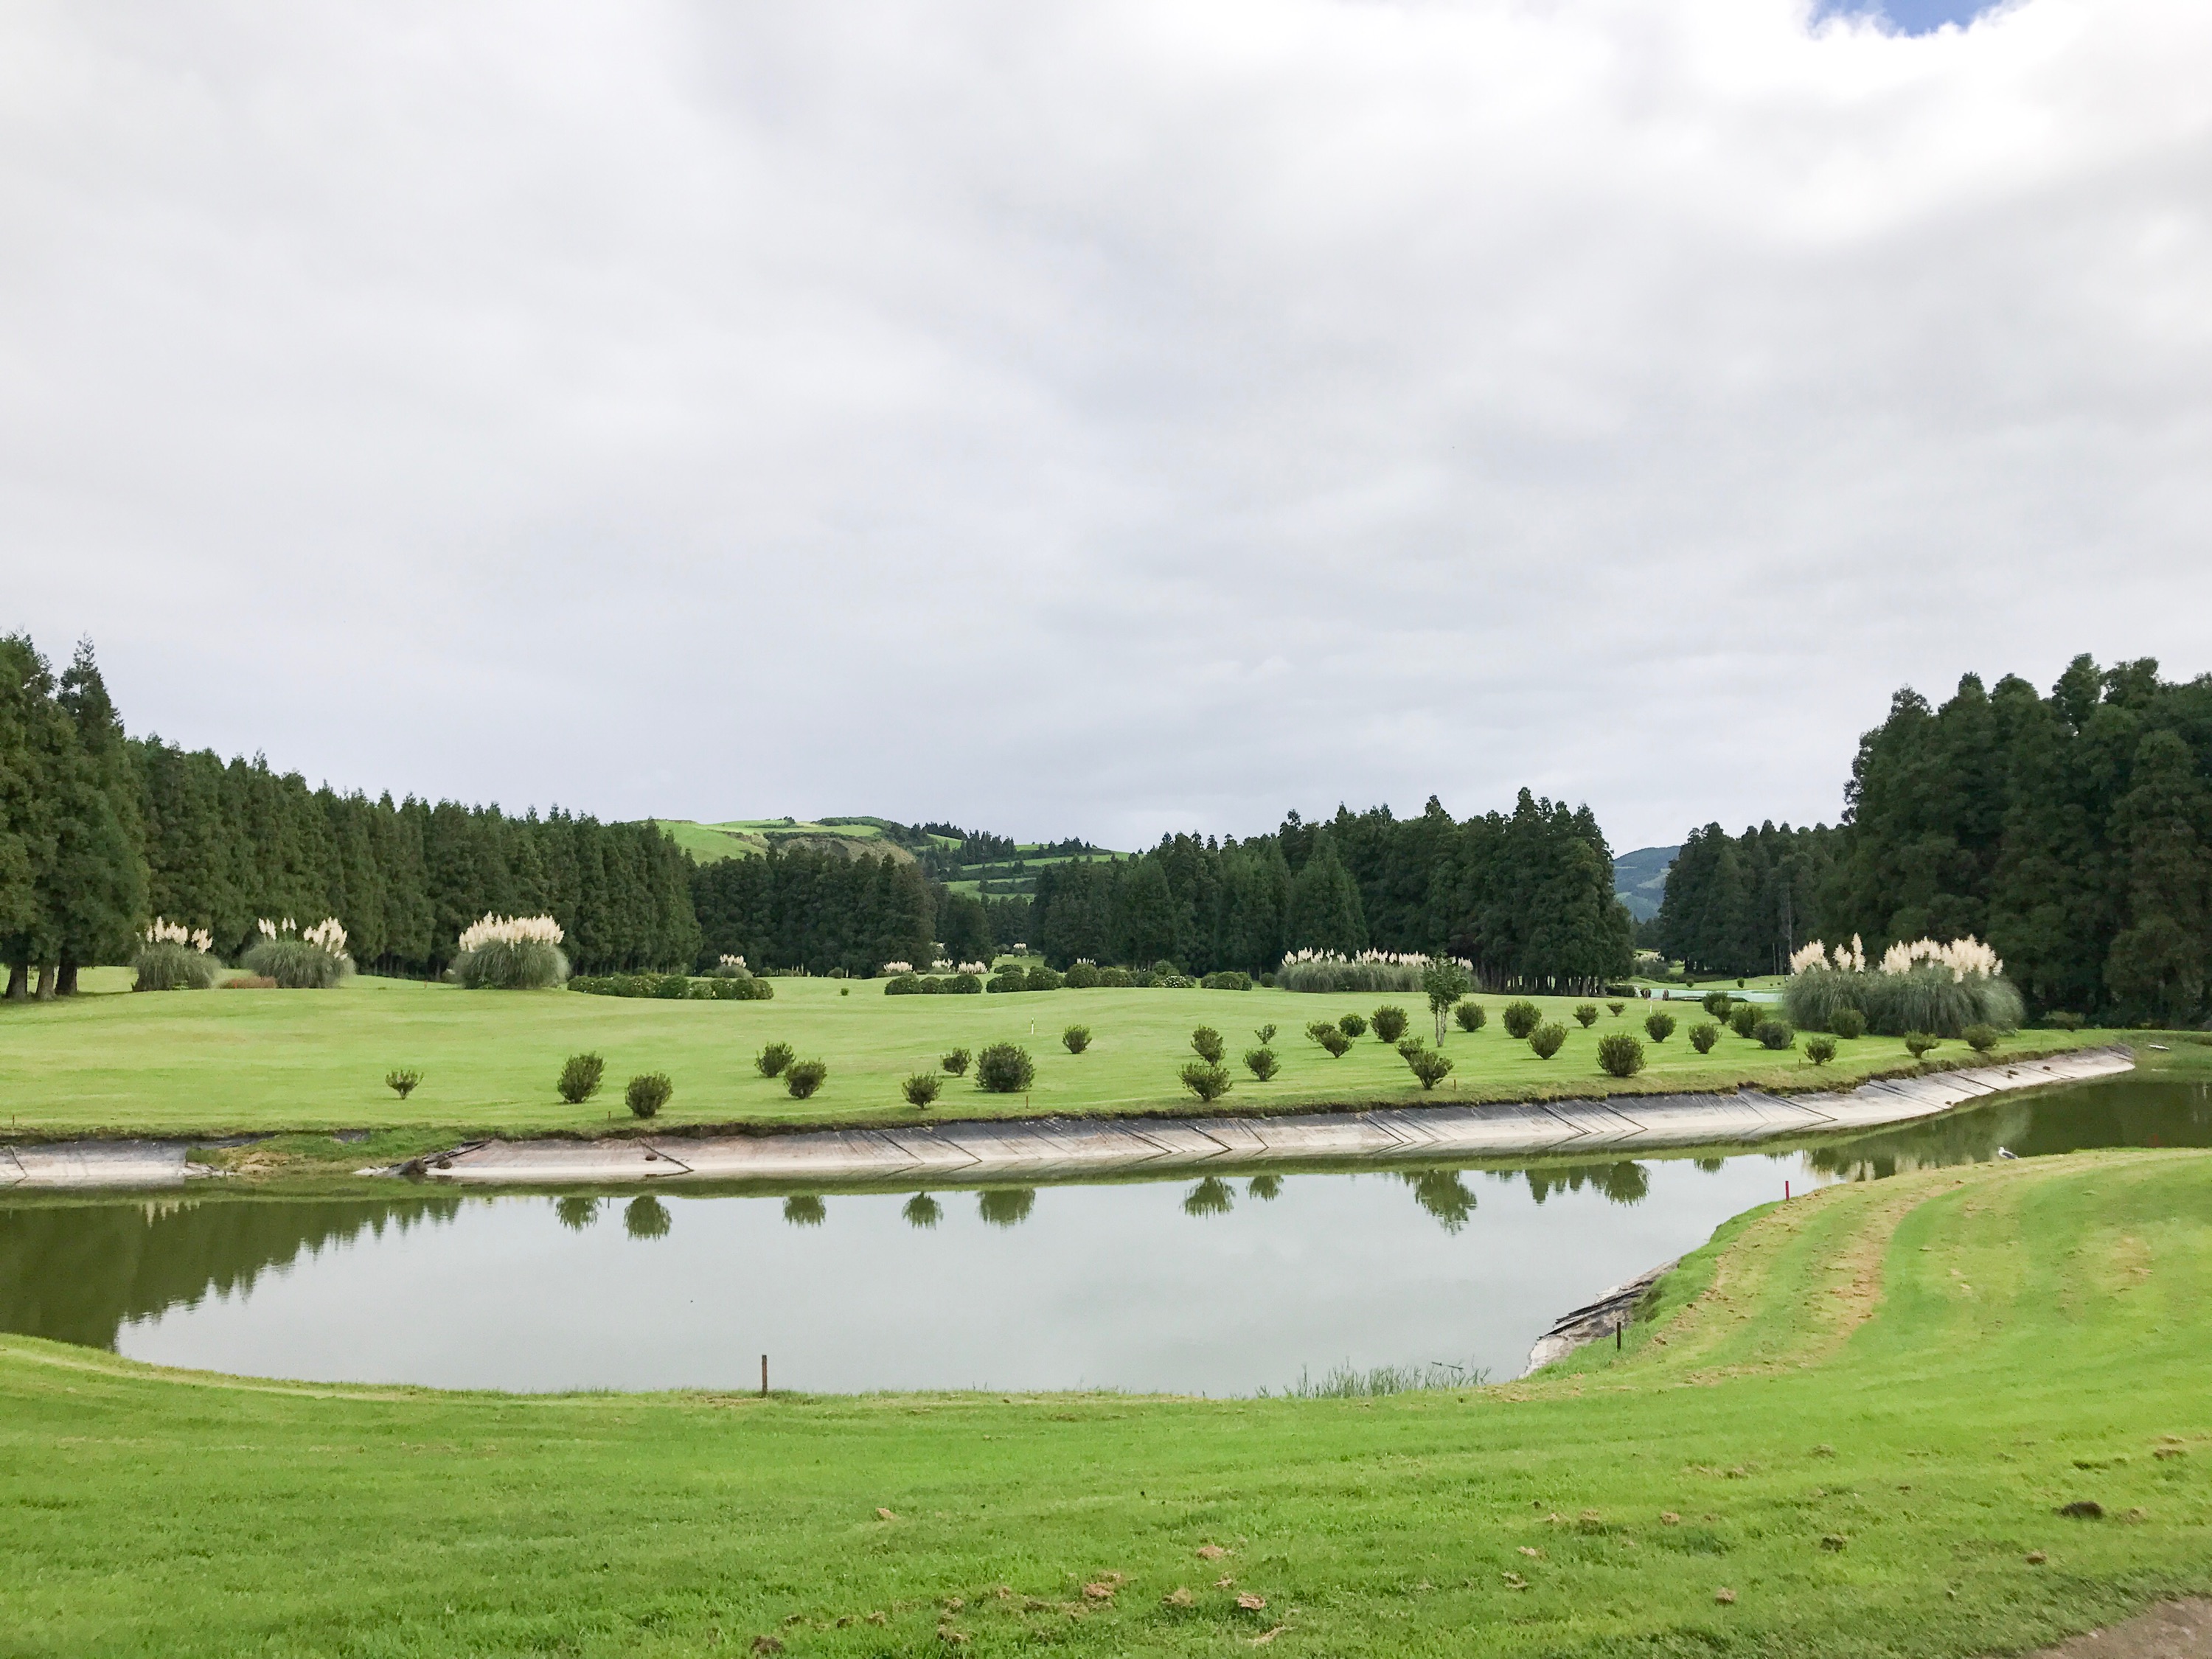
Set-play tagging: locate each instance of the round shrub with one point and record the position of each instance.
(1546, 1038)
(1389, 1023)
(1585, 1015)
(773, 1058)
(1331, 1037)
(647, 1094)
(1520, 1019)
(1076, 1038)
(673, 988)
(165, 964)
(1847, 1023)
(963, 985)
(1230, 979)
(1917, 1043)
(1005, 1068)
(403, 1080)
(1165, 969)
(1703, 1035)
(1819, 1049)
(1141, 978)
(1261, 1063)
(903, 985)
(1426, 1064)
(1206, 1079)
(1470, 1016)
(956, 1063)
(1776, 1034)
(1206, 1042)
(1614, 1008)
(580, 1077)
(1041, 978)
(920, 1089)
(1743, 1019)
(1716, 1004)
(1009, 978)
(1659, 1024)
(1081, 978)
(1353, 1026)
(1619, 1054)
(1980, 1038)
(803, 1077)
(1113, 979)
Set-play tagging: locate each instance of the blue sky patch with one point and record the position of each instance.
(1909, 17)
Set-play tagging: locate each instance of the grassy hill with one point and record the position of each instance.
(1848, 1427)
(740, 838)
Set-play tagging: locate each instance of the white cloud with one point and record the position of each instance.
(1101, 420)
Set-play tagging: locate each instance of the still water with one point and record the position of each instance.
(1217, 1285)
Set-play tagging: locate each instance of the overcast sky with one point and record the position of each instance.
(1100, 420)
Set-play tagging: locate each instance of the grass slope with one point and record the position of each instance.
(1857, 1414)
(741, 838)
(213, 1062)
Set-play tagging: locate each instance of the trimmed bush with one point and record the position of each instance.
(1206, 1079)
(403, 1081)
(1265, 1033)
(1005, 1068)
(1619, 1054)
(1659, 1024)
(1081, 978)
(166, 964)
(1585, 1015)
(1776, 1034)
(1520, 1019)
(963, 985)
(1389, 1023)
(1141, 979)
(1261, 1063)
(647, 1094)
(673, 988)
(1980, 1038)
(1331, 1037)
(2059, 1020)
(1546, 1038)
(1008, 979)
(1716, 1004)
(1228, 980)
(1427, 1064)
(1041, 978)
(1113, 979)
(1076, 1038)
(803, 1077)
(774, 1058)
(1819, 1049)
(956, 1063)
(1614, 1008)
(920, 1089)
(1206, 1042)
(1353, 1026)
(580, 1077)
(1743, 1018)
(1847, 1023)
(1470, 1016)
(732, 988)
(903, 985)
(1703, 1035)
(1917, 1043)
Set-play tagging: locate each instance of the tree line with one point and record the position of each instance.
(99, 832)
(2072, 831)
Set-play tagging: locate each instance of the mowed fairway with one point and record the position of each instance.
(1849, 1431)
(212, 1062)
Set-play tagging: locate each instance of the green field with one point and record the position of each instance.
(739, 838)
(1847, 1431)
(219, 1061)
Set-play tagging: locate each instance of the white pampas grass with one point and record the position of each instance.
(510, 930)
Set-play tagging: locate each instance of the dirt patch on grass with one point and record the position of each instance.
(2175, 1630)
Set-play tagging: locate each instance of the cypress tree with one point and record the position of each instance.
(1325, 912)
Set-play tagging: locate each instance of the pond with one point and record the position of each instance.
(1219, 1286)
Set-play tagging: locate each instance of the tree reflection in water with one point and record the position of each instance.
(1005, 1206)
(1624, 1183)
(1266, 1187)
(646, 1217)
(922, 1210)
(577, 1214)
(1442, 1195)
(1210, 1196)
(805, 1210)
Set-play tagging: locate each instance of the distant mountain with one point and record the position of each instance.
(1639, 879)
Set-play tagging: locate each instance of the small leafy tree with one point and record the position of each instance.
(956, 1063)
(1206, 1042)
(1743, 1018)
(1659, 1024)
(1703, 1035)
(920, 1089)
(1266, 1034)
(803, 1077)
(1585, 1014)
(1776, 1034)
(773, 1058)
(1847, 1023)
(1005, 1068)
(1546, 1038)
(1353, 1026)
(1446, 982)
(1980, 1038)
(1261, 1063)
(648, 1093)
(1470, 1016)
(1918, 1043)
(403, 1081)
(581, 1078)
(1619, 1054)
(1076, 1038)
(1521, 1019)
(1206, 1079)
(1819, 1049)
(1389, 1024)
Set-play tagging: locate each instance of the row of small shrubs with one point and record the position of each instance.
(907, 985)
(673, 987)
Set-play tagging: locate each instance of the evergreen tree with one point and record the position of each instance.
(1325, 912)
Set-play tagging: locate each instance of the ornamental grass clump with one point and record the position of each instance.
(172, 957)
(1261, 1063)
(1371, 970)
(648, 1093)
(1206, 1079)
(1546, 1038)
(1922, 986)
(1076, 1038)
(803, 1077)
(1520, 1019)
(580, 1077)
(1470, 1017)
(511, 953)
(1659, 1025)
(314, 960)
(1206, 1043)
(1619, 1054)
(1703, 1035)
(1005, 1068)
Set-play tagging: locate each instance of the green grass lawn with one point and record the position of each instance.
(212, 1062)
(1847, 1431)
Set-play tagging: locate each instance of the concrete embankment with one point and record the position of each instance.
(1071, 1148)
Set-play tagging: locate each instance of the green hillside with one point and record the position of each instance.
(739, 838)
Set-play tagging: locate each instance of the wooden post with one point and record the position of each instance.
(764, 1377)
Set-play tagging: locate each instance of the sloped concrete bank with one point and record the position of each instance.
(1059, 1148)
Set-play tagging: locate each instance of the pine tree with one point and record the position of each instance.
(1325, 912)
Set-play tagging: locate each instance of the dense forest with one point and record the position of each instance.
(99, 832)
(2072, 831)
